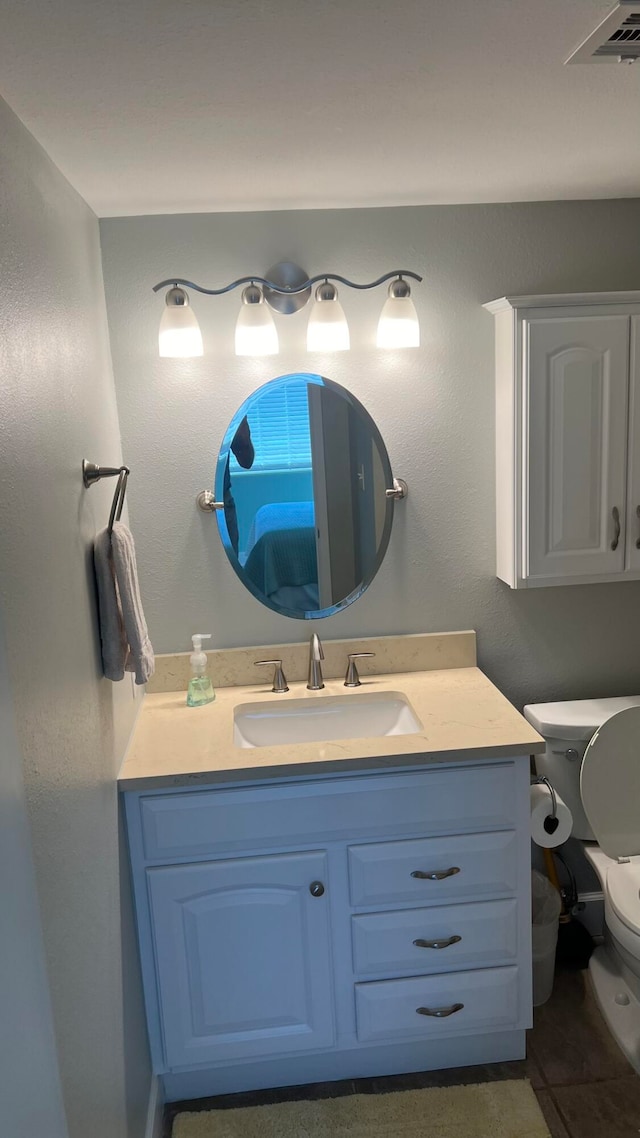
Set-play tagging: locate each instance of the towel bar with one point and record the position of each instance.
(92, 473)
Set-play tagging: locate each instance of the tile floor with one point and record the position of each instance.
(585, 1087)
(584, 1084)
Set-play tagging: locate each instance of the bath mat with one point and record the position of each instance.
(481, 1110)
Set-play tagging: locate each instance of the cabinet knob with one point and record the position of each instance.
(440, 1013)
(638, 517)
(437, 874)
(316, 889)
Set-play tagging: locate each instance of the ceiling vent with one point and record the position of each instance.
(615, 40)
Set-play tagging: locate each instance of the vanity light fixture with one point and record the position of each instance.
(179, 334)
(287, 289)
(327, 330)
(398, 326)
(256, 333)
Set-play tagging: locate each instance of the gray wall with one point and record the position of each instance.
(57, 405)
(434, 407)
(30, 1089)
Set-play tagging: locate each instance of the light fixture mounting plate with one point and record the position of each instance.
(287, 275)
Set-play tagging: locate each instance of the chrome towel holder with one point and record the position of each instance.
(92, 473)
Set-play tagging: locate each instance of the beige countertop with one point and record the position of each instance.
(463, 717)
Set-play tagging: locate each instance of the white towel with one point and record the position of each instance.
(123, 629)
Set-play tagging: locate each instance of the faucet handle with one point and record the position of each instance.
(352, 679)
(279, 680)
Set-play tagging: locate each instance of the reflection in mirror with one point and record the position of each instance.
(302, 474)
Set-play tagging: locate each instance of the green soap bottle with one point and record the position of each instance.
(200, 690)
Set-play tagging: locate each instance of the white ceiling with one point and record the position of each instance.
(163, 106)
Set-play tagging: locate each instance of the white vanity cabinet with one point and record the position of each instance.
(301, 929)
(567, 438)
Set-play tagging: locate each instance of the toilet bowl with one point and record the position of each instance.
(600, 783)
(621, 888)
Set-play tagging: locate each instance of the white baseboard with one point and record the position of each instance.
(155, 1111)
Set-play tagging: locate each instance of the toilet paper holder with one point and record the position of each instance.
(551, 821)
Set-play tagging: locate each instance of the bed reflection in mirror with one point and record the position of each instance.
(302, 474)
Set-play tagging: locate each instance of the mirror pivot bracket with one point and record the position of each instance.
(206, 502)
(399, 490)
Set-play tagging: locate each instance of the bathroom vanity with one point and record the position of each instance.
(332, 910)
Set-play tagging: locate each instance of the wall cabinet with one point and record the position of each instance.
(567, 438)
(336, 927)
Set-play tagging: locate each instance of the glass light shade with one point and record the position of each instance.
(256, 333)
(398, 326)
(327, 330)
(179, 334)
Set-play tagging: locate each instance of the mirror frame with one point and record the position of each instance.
(311, 614)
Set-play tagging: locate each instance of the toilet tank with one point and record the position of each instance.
(567, 729)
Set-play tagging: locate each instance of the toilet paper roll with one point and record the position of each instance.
(544, 831)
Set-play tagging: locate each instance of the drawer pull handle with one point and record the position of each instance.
(437, 875)
(440, 1013)
(615, 514)
(438, 943)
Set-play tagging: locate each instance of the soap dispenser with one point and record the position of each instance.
(200, 690)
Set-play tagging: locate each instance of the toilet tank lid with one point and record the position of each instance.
(575, 719)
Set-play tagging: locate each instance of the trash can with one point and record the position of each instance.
(545, 913)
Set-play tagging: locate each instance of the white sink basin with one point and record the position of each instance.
(322, 718)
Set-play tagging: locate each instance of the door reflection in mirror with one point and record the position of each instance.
(302, 472)
(242, 450)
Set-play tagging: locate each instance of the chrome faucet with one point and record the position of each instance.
(316, 654)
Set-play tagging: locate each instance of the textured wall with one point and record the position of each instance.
(57, 405)
(434, 407)
(30, 1089)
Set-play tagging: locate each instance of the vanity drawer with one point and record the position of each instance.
(453, 936)
(427, 801)
(388, 1008)
(464, 867)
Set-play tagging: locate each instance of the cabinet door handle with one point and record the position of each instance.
(437, 875)
(615, 514)
(438, 943)
(638, 517)
(440, 1013)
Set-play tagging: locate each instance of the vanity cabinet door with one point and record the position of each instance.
(577, 370)
(633, 504)
(243, 957)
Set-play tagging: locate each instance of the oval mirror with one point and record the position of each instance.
(302, 473)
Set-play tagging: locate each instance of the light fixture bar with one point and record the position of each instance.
(284, 289)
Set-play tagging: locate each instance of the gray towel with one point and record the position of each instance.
(123, 629)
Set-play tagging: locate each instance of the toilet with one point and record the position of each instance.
(592, 758)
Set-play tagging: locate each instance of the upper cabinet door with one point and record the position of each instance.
(575, 409)
(633, 503)
(243, 957)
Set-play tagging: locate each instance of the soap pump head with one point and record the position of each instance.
(198, 658)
